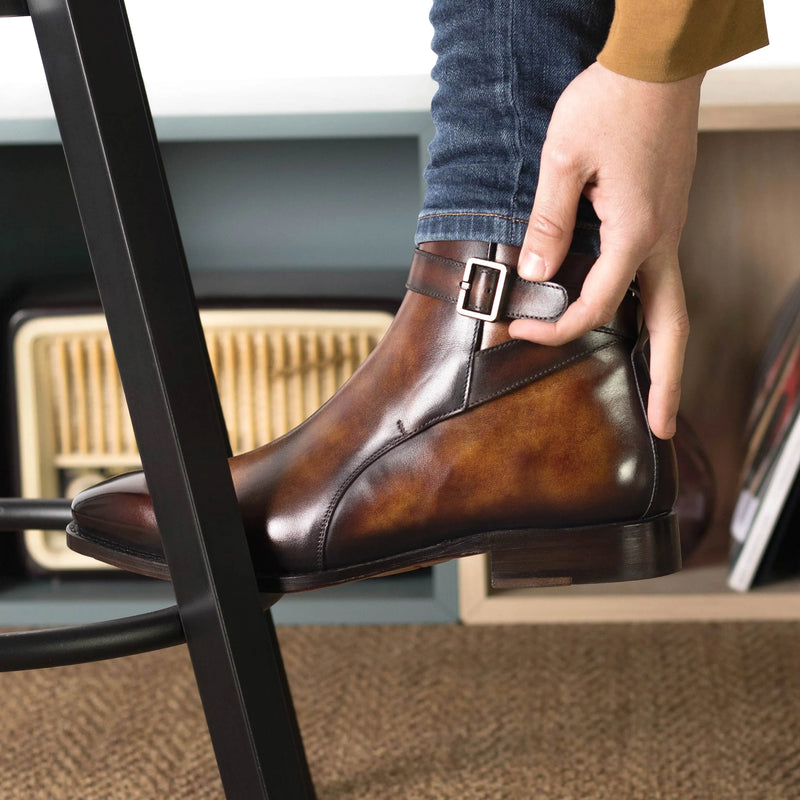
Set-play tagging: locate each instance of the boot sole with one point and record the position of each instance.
(518, 559)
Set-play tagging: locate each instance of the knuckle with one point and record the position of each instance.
(602, 318)
(672, 234)
(677, 326)
(676, 329)
(682, 326)
(649, 230)
(561, 159)
(603, 306)
(657, 232)
(666, 387)
(599, 313)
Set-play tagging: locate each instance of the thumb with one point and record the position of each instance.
(552, 220)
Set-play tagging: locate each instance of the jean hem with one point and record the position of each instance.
(494, 227)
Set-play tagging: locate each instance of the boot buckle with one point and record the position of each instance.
(497, 290)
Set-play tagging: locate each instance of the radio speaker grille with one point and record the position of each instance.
(273, 369)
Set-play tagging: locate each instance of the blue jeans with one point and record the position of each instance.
(501, 67)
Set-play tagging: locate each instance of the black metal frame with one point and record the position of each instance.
(140, 268)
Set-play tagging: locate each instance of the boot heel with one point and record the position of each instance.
(596, 554)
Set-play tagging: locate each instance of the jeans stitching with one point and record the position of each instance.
(584, 226)
(471, 214)
(512, 84)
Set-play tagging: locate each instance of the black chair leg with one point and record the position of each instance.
(127, 215)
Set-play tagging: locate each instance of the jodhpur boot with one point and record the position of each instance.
(451, 439)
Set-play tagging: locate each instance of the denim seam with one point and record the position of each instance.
(470, 214)
(512, 82)
(584, 226)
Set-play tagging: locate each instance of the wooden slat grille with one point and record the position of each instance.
(270, 379)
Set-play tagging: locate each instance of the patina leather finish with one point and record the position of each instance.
(448, 432)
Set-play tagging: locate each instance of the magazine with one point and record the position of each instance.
(773, 456)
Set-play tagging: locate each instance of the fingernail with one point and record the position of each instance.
(531, 267)
(672, 426)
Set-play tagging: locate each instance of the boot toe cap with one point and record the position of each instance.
(119, 509)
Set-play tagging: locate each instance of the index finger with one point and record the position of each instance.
(603, 290)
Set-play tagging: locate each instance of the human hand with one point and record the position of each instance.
(630, 147)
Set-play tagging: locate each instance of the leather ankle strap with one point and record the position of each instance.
(489, 290)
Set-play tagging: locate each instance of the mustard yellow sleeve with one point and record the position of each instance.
(667, 40)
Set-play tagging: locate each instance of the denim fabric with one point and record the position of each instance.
(501, 66)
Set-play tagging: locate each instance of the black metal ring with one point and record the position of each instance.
(22, 513)
(76, 644)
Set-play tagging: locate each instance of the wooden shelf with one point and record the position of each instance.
(752, 99)
(694, 594)
(739, 261)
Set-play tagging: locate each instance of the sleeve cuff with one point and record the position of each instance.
(668, 40)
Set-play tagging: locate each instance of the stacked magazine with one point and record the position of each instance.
(766, 520)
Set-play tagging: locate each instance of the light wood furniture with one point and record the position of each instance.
(740, 253)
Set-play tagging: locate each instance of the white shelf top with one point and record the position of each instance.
(261, 60)
(257, 59)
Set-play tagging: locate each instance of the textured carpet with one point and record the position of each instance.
(657, 712)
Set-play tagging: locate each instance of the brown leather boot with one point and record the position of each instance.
(451, 439)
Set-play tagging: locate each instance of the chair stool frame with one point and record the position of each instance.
(128, 219)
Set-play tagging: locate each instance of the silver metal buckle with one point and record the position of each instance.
(466, 285)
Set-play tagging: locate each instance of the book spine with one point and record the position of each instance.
(779, 485)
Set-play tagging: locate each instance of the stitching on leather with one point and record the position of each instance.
(653, 450)
(437, 257)
(515, 277)
(476, 332)
(90, 535)
(541, 374)
(529, 316)
(465, 405)
(517, 342)
(504, 315)
(520, 282)
(341, 491)
(392, 443)
(449, 298)
(504, 345)
(613, 332)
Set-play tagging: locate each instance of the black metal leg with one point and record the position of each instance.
(128, 219)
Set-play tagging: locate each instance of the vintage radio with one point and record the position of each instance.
(275, 362)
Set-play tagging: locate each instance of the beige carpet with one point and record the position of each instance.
(624, 712)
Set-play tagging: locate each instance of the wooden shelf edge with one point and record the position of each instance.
(764, 117)
(686, 608)
(750, 99)
(693, 595)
